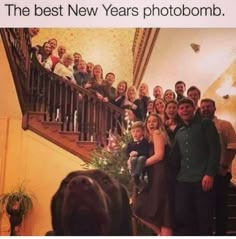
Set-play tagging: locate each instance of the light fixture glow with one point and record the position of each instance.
(227, 89)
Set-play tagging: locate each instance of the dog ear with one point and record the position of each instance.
(56, 205)
(126, 216)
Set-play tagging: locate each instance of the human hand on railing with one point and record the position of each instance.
(100, 97)
(127, 102)
(131, 115)
(80, 97)
(87, 85)
(105, 99)
(73, 81)
(64, 78)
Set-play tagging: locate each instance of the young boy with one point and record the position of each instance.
(137, 151)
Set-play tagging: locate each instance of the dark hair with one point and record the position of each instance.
(186, 101)
(191, 88)
(158, 87)
(41, 51)
(180, 82)
(209, 100)
(76, 53)
(169, 102)
(110, 73)
(52, 39)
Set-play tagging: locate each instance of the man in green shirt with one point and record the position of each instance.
(197, 148)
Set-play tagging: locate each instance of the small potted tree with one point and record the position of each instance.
(16, 204)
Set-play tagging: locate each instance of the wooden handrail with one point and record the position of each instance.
(17, 44)
(77, 108)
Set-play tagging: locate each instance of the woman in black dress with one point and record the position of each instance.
(153, 204)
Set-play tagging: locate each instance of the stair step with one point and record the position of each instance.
(39, 116)
(71, 136)
(52, 125)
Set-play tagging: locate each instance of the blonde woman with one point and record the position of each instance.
(132, 103)
(159, 108)
(153, 205)
(144, 98)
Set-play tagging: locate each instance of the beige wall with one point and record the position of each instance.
(26, 157)
(111, 48)
(8, 98)
(38, 163)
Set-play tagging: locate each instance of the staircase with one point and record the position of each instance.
(66, 140)
(64, 113)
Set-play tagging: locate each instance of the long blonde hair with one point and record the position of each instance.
(160, 128)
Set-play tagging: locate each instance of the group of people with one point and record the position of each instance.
(187, 162)
(180, 144)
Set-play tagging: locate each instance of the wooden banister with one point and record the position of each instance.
(77, 108)
(17, 44)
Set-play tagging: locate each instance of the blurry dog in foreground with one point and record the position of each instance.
(90, 203)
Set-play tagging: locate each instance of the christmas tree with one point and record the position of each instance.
(112, 159)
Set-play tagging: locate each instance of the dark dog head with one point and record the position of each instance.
(90, 203)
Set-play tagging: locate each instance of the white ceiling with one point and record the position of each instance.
(173, 59)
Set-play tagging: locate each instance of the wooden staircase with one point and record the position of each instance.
(58, 110)
(66, 140)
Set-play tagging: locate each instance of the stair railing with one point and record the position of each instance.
(38, 90)
(17, 44)
(78, 109)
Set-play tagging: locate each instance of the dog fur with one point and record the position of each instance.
(91, 203)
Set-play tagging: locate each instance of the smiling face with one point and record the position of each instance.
(110, 78)
(180, 88)
(34, 31)
(171, 110)
(121, 88)
(143, 90)
(90, 67)
(77, 57)
(131, 93)
(150, 107)
(195, 96)
(53, 43)
(82, 66)
(61, 51)
(67, 60)
(158, 92)
(207, 109)
(97, 71)
(169, 95)
(159, 106)
(47, 48)
(186, 112)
